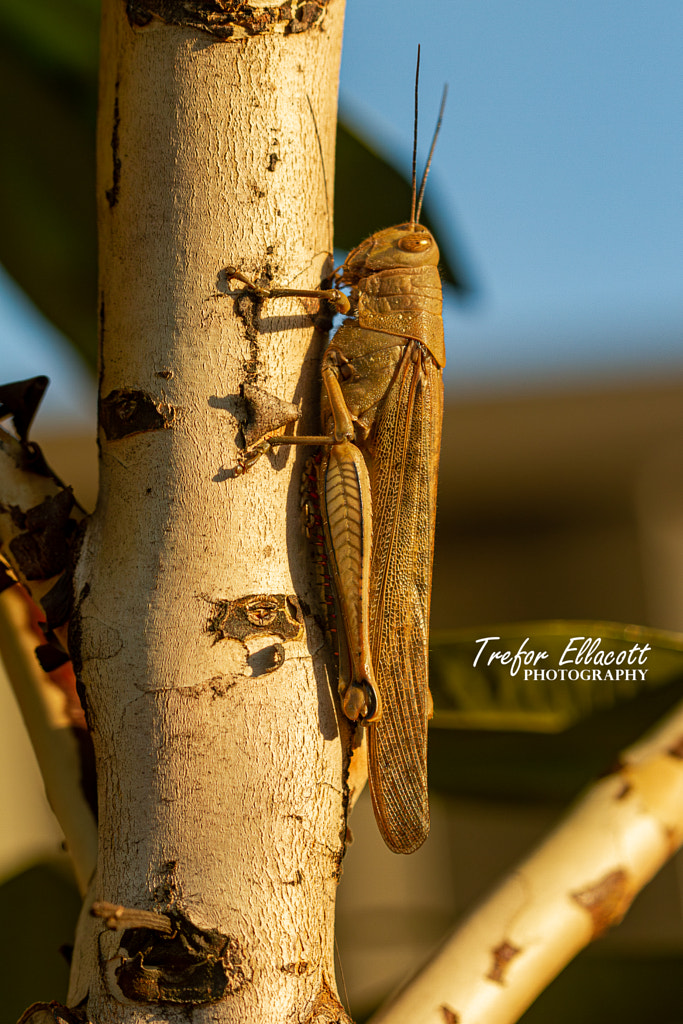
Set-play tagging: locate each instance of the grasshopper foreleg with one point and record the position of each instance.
(253, 454)
(332, 295)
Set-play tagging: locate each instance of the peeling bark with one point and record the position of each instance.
(231, 19)
(40, 521)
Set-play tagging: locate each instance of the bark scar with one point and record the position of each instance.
(128, 411)
(607, 900)
(20, 400)
(256, 615)
(189, 965)
(227, 19)
(112, 193)
(502, 955)
(449, 1015)
(42, 549)
(265, 413)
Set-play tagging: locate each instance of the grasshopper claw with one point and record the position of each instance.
(252, 455)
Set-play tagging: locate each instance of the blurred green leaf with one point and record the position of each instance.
(48, 96)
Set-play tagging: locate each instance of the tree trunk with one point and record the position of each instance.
(219, 753)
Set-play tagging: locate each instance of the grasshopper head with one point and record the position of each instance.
(405, 245)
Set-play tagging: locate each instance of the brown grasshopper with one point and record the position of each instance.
(381, 416)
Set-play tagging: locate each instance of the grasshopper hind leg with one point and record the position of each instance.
(347, 520)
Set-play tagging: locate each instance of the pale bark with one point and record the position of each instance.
(43, 707)
(221, 788)
(580, 881)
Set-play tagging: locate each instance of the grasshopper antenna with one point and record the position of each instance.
(413, 188)
(431, 150)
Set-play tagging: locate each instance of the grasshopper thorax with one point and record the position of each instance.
(404, 245)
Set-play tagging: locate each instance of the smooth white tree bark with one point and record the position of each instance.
(220, 769)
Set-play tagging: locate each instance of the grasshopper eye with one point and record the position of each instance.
(415, 243)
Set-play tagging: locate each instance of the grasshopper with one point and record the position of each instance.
(381, 416)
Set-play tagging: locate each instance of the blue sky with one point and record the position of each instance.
(560, 165)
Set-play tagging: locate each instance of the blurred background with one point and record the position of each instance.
(556, 197)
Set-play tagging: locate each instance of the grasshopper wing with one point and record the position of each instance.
(404, 476)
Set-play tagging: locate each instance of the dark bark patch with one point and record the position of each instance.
(33, 461)
(299, 967)
(607, 900)
(42, 550)
(20, 400)
(306, 16)
(214, 688)
(7, 580)
(128, 411)
(191, 965)
(112, 193)
(502, 955)
(449, 1016)
(16, 515)
(265, 413)
(247, 306)
(256, 615)
(220, 18)
(50, 657)
(58, 602)
(298, 874)
(217, 686)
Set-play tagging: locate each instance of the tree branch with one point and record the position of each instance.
(220, 757)
(43, 707)
(579, 882)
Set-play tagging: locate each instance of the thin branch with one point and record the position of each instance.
(43, 707)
